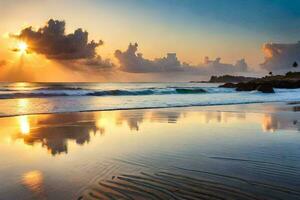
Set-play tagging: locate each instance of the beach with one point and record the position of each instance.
(248, 151)
(149, 100)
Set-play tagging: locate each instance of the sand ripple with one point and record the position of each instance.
(165, 185)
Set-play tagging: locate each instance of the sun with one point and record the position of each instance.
(22, 46)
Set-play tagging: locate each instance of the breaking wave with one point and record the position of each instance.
(55, 92)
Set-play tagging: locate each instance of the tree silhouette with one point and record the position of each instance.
(295, 64)
(271, 73)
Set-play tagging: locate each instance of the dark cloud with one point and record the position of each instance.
(209, 67)
(99, 63)
(280, 57)
(131, 61)
(52, 41)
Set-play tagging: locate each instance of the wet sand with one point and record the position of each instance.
(216, 152)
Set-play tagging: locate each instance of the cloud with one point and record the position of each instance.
(52, 41)
(131, 61)
(72, 50)
(99, 63)
(280, 56)
(209, 67)
(2, 63)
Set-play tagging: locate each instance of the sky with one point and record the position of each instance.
(150, 40)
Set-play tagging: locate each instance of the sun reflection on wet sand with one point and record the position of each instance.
(268, 125)
(33, 181)
(24, 125)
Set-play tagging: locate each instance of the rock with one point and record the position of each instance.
(265, 89)
(246, 86)
(287, 84)
(230, 79)
(228, 85)
(266, 84)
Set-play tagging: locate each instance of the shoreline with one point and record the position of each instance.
(148, 108)
(152, 108)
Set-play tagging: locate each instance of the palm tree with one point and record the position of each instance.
(271, 73)
(295, 64)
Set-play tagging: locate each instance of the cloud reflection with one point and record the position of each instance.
(55, 132)
(273, 122)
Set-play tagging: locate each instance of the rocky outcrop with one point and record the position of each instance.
(229, 85)
(266, 84)
(226, 79)
(246, 86)
(265, 89)
(230, 79)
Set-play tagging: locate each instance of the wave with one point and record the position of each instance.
(190, 91)
(54, 92)
(121, 92)
(77, 92)
(59, 88)
(6, 90)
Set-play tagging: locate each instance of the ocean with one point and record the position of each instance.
(34, 98)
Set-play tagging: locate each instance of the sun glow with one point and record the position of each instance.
(22, 46)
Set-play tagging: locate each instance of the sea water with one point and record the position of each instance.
(33, 98)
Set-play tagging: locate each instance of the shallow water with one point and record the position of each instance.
(218, 152)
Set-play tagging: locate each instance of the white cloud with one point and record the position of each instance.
(280, 57)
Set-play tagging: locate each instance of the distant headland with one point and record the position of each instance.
(290, 80)
(226, 79)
